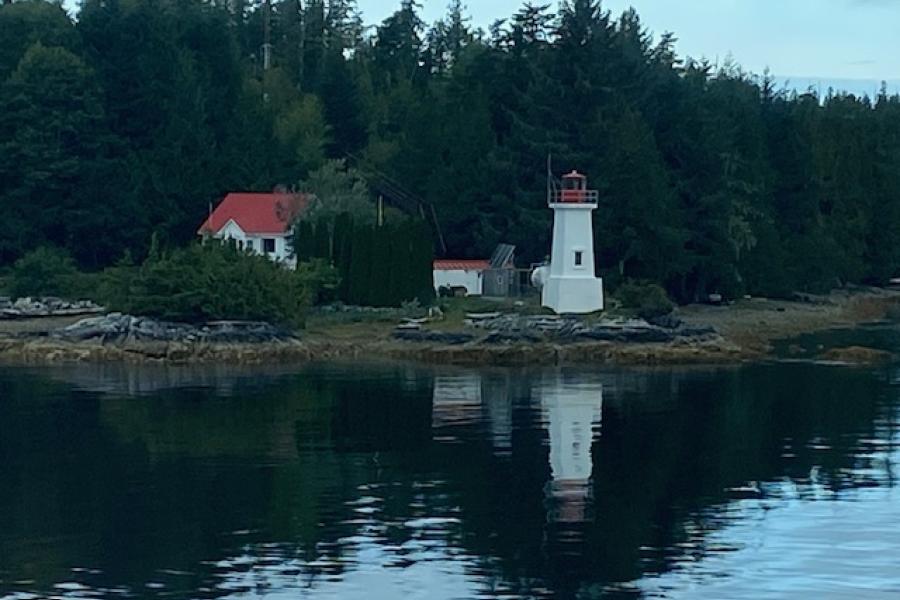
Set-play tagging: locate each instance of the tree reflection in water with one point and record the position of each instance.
(339, 480)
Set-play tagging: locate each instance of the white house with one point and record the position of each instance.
(258, 222)
(468, 274)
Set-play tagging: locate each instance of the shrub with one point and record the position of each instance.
(44, 272)
(648, 300)
(208, 282)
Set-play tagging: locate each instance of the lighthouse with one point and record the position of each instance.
(571, 287)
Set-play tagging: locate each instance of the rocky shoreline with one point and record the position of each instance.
(50, 351)
(484, 340)
(493, 340)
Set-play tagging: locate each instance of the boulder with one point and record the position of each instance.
(108, 326)
(668, 321)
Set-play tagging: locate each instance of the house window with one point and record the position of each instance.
(268, 245)
(579, 258)
(249, 244)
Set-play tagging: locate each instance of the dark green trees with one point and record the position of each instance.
(382, 265)
(62, 179)
(712, 180)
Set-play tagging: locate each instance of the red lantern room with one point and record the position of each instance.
(574, 190)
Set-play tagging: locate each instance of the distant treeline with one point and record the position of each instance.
(136, 115)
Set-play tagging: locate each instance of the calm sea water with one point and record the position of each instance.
(348, 481)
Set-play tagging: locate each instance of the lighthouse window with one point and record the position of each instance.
(579, 258)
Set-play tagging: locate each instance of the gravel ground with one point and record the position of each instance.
(753, 324)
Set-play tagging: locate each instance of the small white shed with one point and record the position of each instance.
(468, 274)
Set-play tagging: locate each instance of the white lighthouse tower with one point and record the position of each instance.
(571, 287)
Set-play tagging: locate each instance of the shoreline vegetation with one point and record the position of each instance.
(744, 331)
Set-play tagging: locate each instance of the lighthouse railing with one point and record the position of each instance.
(574, 197)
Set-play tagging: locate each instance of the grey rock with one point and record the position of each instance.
(669, 321)
(116, 327)
(27, 308)
(630, 335)
(506, 337)
(435, 337)
(513, 328)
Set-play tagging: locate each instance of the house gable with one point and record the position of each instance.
(257, 215)
(231, 229)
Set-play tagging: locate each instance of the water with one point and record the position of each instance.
(330, 481)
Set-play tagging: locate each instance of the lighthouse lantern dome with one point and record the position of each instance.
(574, 189)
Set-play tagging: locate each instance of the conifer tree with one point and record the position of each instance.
(303, 241)
(343, 252)
(360, 282)
(322, 240)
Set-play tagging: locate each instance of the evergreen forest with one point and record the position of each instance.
(124, 121)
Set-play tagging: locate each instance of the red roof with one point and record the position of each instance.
(462, 265)
(256, 213)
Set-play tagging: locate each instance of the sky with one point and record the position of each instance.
(848, 44)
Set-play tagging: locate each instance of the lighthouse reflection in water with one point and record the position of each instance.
(570, 412)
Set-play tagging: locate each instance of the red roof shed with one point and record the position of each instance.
(461, 265)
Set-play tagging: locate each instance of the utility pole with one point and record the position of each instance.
(267, 35)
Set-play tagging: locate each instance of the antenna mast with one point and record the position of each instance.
(551, 183)
(549, 177)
